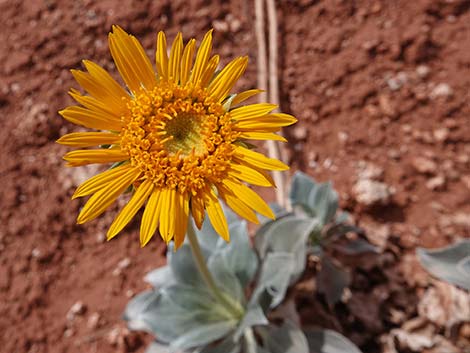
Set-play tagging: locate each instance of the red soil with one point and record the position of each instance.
(385, 82)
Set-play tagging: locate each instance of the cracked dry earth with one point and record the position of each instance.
(381, 90)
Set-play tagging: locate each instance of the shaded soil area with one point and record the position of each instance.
(381, 90)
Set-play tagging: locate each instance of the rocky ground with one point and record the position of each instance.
(381, 90)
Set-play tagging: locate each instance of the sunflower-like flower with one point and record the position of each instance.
(176, 136)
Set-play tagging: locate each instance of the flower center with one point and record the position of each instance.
(178, 136)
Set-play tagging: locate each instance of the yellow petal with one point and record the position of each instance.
(249, 175)
(216, 214)
(187, 61)
(238, 206)
(257, 159)
(224, 81)
(249, 197)
(209, 73)
(254, 135)
(83, 157)
(101, 200)
(175, 58)
(131, 60)
(167, 215)
(88, 139)
(99, 106)
(181, 218)
(202, 57)
(128, 212)
(91, 119)
(252, 111)
(150, 218)
(161, 56)
(197, 210)
(99, 181)
(243, 96)
(101, 86)
(267, 121)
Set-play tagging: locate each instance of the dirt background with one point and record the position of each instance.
(381, 90)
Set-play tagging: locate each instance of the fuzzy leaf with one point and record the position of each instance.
(176, 310)
(156, 347)
(451, 264)
(254, 316)
(202, 335)
(276, 271)
(239, 254)
(328, 341)
(285, 339)
(225, 278)
(183, 267)
(332, 280)
(288, 234)
(228, 345)
(159, 277)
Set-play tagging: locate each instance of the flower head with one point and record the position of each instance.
(176, 136)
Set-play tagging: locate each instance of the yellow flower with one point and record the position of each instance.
(176, 136)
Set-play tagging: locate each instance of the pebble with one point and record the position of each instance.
(300, 132)
(398, 81)
(436, 183)
(441, 134)
(423, 71)
(370, 192)
(79, 308)
(424, 165)
(122, 265)
(441, 90)
(466, 181)
(94, 321)
(369, 171)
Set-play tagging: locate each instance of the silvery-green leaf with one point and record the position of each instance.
(274, 278)
(356, 247)
(250, 344)
(156, 347)
(328, 341)
(278, 211)
(159, 277)
(301, 186)
(175, 310)
(136, 309)
(183, 267)
(332, 280)
(288, 234)
(225, 278)
(239, 255)
(323, 200)
(284, 339)
(228, 345)
(340, 229)
(450, 263)
(203, 334)
(254, 316)
(207, 236)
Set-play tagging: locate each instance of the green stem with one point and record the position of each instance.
(236, 310)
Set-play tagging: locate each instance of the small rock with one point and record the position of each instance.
(424, 165)
(436, 183)
(94, 321)
(220, 26)
(466, 181)
(441, 90)
(369, 192)
(122, 265)
(441, 134)
(79, 308)
(397, 82)
(343, 137)
(299, 132)
(423, 71)
(369, 171)
(386, 106)
(68, 333)
(463, 158)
